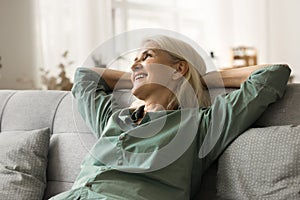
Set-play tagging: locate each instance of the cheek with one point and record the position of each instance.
(160, 73)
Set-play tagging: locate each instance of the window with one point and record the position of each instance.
(188, 17)
(185, 16)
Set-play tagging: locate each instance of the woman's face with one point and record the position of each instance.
(152, 71)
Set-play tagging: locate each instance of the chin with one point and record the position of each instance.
(136, 93)
(141, 91)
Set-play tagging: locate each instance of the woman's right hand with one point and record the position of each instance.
(232, 77)
(115, 79)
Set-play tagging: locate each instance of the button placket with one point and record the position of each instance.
(121, 139)
(120, 161)
(102, 169)
(89, 185)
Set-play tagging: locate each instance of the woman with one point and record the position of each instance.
(160, 148)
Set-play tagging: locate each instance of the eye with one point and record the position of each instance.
(147, 55)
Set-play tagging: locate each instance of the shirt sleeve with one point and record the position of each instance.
(93, 98)
(233, 113)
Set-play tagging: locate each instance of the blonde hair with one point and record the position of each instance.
(190, 85)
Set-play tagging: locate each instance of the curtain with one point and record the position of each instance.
(76, 26)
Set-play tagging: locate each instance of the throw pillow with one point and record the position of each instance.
(263, 163)
(23, 163)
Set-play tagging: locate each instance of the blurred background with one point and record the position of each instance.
(43, 41)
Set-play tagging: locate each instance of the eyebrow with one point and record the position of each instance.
(144, 52)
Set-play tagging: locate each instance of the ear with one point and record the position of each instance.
(181, 69)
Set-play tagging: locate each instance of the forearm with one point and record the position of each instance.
(115, 79)
(230, 77)
(242, 107)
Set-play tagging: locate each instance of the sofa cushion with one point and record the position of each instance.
(66, 153)
(263, 163)
(283, 112)
(5, 95)
(67, 119)
(56, 187)
(31, 109)
(23, 163)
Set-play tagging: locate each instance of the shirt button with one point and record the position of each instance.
(122, 137)
(119, 144)
(120, 162)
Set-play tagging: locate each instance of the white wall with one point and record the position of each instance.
(17, 43)
(29, 42)
(273, 27)
(238, 23)
(284, 33)
(270, 25)
(220, 30)
(250, 25)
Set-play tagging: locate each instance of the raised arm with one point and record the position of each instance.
(115, 79)
(232, 77)
(232, 113)
(92, 89)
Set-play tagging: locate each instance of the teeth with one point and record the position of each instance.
(140, 76)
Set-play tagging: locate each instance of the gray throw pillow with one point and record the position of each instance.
(263, 163)
(23, 163)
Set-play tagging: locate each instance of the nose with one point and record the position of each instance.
(136, 66)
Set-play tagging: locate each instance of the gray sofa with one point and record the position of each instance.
(71, 140)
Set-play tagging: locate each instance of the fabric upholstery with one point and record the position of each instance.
(283, 112)
(32, 110)
(66, 120)
(70, 149)
(263, 163)
(23, 163)
(4, 97)
(55, 187)
(54, 109)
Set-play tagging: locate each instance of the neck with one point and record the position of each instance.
(158, 101)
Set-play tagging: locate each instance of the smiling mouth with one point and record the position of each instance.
(140, 76)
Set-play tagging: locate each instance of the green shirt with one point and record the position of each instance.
(165, 155)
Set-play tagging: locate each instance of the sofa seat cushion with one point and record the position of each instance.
(263, 163)
(23, 163)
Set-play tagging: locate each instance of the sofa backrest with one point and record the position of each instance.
(71, 139)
